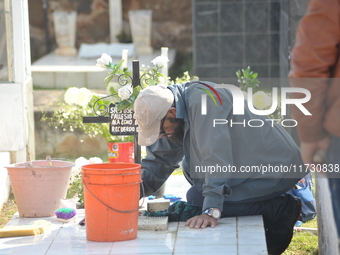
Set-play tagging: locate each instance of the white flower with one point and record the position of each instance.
(95, 160)
(160, 60)
(75, 173)
(70, 95)
(161, 80)
(83, 97)
(76, 170)
(81, 161)
(104, 60)
(261, 100)
(78, 96)
(66, 114)
(125, 92)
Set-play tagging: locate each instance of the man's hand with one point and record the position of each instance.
(309, 150)
(201, 221)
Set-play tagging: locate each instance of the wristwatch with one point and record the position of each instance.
(213, 212)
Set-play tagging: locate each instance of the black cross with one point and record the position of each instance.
(107, 119)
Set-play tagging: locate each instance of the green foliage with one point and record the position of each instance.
(76, 189)
(148, 77)
(70, 118)
(247, 78)
(184, 78)
(123, 37)
(152, 76)
(116, 71)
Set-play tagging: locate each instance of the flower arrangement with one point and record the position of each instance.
(128, 94)
(261, 100)
(76, 188)
(79, 102)
(68, 115)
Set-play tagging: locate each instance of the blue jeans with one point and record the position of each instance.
(332, 157)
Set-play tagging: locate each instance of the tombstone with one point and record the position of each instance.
(65, 32)
(116, 19)
(140, 23)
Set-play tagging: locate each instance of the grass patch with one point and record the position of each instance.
(311, 224)
(304, 243)
(9, 208)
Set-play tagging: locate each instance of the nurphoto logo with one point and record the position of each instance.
(238, 103)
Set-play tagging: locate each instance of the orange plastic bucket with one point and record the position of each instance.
(111, 195)
(121, 152)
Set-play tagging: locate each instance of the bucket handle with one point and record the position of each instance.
(127, 211)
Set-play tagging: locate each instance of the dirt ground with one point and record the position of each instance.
(8, 209)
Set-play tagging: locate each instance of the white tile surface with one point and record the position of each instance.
(219, 240)
(232, 236)
(29, 244)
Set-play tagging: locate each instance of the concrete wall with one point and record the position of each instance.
(55, 142)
